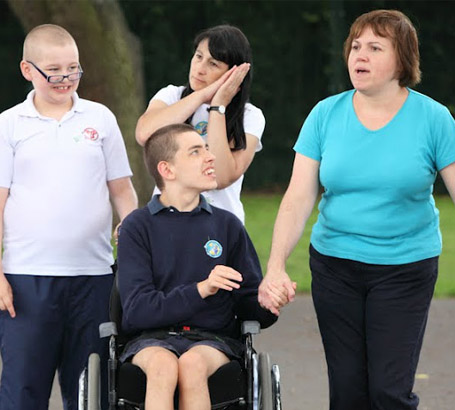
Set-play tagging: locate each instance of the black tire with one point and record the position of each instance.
(265, 382)
(93, 383)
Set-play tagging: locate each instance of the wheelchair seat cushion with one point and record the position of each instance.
(227, 384)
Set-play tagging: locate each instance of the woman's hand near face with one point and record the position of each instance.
(231, 85)
(209, 92)
(159, 114)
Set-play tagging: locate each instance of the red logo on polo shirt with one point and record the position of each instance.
(90, 134)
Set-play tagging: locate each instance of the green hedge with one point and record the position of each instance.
(261, 211)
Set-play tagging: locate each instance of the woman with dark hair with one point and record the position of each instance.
(215, 102)
(376, 150)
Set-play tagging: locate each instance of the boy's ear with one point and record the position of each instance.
(166, 170)
(25, 70)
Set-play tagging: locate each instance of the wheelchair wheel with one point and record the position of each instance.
(265, 383)
(89, 385)
(93, 383)
(276, 386)
(255, 383)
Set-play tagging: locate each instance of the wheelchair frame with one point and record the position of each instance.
(263, 390)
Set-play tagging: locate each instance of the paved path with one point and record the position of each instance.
(295, 345)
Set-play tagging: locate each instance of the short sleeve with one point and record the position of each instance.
(169, 95)
(254, 123)
(444, 138)
(309, 140)
(114, 150)
(6, 156)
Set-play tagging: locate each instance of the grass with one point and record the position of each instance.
(261, 210)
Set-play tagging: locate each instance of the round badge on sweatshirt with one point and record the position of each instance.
(213, 248)
(201, 128)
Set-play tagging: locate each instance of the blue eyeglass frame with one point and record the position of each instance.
(61, 76)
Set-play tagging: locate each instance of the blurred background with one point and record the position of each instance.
(129, 49)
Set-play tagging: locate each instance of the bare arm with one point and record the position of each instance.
(295, 208)
(448, 176)
(229, 165)
(159, 114)
(6, 293)
(123, 198)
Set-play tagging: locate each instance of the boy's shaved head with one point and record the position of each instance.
(42, 36)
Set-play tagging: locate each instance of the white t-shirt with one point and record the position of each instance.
(58, 218)
(253, 123)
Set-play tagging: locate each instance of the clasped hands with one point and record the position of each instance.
(275, 291)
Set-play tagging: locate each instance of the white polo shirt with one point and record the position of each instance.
(58, 218)
(253, 124)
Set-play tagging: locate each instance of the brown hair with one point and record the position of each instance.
(162, 146)
(397, 27)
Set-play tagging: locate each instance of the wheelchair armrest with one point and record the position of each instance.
(251, 327)
(108, 329)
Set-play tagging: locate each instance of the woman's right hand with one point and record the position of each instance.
(231, 86)
(208, 92)
(6, 296)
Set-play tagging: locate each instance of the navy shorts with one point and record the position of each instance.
(180, 344)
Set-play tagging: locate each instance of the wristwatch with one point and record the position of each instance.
(220, 108)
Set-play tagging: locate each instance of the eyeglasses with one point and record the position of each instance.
(54, 79)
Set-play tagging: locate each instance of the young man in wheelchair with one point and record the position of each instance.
(185, 267)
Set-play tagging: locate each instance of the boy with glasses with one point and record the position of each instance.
(61, 159)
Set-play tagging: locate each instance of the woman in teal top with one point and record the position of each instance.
(374, 249)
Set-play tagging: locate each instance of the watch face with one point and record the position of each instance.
(219, 108)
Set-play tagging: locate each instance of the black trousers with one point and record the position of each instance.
(372, 319)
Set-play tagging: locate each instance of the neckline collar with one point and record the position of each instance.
(155, 206)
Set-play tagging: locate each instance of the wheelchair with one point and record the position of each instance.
(252, 383)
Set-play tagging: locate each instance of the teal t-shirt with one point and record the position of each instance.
(377, 205)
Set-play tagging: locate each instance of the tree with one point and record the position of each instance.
(111, 57)
(297, 54)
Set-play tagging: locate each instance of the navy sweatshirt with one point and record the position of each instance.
(163, 253)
